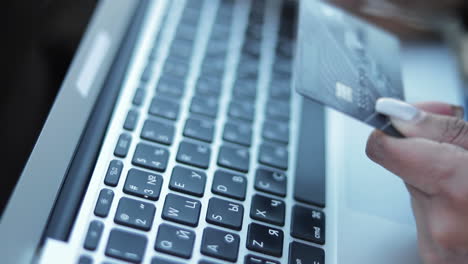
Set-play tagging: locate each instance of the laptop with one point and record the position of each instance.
(177, 137)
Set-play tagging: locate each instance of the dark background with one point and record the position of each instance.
(39, 41)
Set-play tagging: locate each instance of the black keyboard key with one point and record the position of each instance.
(251, 50)
(251, 259)
(135, 214)
(93, 235)
(219, 32)
(169, 91)
(170, 87)
(217, 48)
(209, 86)
(190, 16)
(185, 32)
(249, 61)
(213, 66)
(158, 131)
(220, 244)
(285, 47)
(195, 154)
(248, 69)
(175, 241)
(205, 106)
(203, 261)
(308, 224)
(257, 12)
(216, 52)
(242, 110)
(254, 30)
(126, 246)
(278, 110)
(113, 173)
(280, 93)
(309, 178)
(188, 181)
(85, 260)
(181, 210)
(274, 156)
(225, 12)
(194, 5)
(265, 240)
(235, 158)
(241, 97)
(139, 96)
(238, 132)
(229, 185)
(269, 181)
(245, 90)
(199, 129)
(276, 131)
(280, 82)
(282, 66)
(131, 120)
(165, 108)
(104, 202)
(143, 184)
(175, 69)
(181, 49)
(302, 253)
(280, 73)
(267, 210)
(150, 157)
(225, 213)
(123, 144)
(158, 260)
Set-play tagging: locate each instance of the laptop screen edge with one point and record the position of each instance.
(26, 214)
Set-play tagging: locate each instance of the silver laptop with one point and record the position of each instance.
(176, 137)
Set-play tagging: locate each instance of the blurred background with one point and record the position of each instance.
(39, 42)
(419, 21)
(410, 19)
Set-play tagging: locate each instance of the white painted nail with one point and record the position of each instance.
(397, 109)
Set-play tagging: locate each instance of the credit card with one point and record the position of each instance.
(346, 63)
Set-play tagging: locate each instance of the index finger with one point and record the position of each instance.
(441, 108)
(421, 163)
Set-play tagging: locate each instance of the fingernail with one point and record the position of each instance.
(397, 109)
(458, 111)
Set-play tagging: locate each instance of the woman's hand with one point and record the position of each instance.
(433, 162)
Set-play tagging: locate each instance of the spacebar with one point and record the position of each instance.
(309, 185)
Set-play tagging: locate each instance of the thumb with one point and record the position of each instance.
(412, 121)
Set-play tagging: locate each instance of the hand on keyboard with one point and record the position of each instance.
(433, 162)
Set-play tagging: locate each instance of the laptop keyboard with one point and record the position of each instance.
(179, 188)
